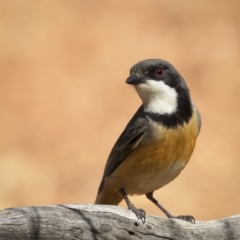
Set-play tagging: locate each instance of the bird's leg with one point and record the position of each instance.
(187, 218)
(140, 213)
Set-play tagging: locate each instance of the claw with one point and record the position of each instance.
(140, 213)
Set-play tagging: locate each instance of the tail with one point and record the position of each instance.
(108, 196)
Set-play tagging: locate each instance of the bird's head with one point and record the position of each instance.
(158, 84)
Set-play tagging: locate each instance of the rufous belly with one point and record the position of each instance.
(157, 160)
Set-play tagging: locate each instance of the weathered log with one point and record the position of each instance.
(73, 222)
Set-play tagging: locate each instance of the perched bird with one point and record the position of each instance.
(158, 141)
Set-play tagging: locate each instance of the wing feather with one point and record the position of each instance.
(128, 140)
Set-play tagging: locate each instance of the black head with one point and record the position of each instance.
(158, 70)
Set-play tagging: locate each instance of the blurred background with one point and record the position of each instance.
(63, 100)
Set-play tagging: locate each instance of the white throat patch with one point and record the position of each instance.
(157, 97)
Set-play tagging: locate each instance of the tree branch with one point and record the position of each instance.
(71, 222)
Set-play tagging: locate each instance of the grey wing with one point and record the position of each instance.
(128, 140)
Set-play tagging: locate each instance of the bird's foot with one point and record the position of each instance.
(187, 218)
(140, 213)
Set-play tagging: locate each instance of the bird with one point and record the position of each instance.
(158, 141)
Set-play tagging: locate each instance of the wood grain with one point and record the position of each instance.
(70, 222)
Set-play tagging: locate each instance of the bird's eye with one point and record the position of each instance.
(159, 72)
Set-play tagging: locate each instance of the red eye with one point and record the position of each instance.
(159, 72)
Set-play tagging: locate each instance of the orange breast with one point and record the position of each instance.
(157, 160)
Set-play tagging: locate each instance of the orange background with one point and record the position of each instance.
(63, 100)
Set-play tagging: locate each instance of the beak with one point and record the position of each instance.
(133, 80)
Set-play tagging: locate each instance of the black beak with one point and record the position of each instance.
(133, 80)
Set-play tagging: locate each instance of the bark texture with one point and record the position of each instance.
(71, 222)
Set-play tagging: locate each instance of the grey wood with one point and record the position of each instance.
(71, 222)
